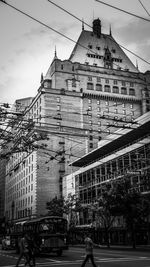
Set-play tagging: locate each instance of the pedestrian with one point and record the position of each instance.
(32, 249)
(23, 249)
(89, 251)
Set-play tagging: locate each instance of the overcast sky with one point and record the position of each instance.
(27, 48)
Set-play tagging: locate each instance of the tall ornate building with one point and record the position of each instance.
(79, 102)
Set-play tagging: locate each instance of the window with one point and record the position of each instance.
(115, 89)
(98, 87)
(123, 83)
(98, 47)
(107, 89)
(58, 99)
(91, 145)
(89, 101)
(89, 108)
(131, 106)
(107, 103)
(90, 86)
(98, 79)
(62, 67)
(73, 83)
(123, 90)
(115, 82)
(98, 102)
(113, 50)
(131, 84)
(58, 108)
(89, 78)
(90, 46)
(124, 112)
(98, 109)
(106, 81)
(131, 91)
(91, 137)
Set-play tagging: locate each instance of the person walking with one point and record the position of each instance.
(89, 251)
(32, 249)
(23, 249)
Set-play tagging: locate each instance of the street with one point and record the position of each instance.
(75, 255)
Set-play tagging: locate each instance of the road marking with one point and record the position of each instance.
(52, 260)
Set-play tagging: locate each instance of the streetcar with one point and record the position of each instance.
(49, 233)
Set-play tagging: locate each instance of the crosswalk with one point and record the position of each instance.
(63, 261)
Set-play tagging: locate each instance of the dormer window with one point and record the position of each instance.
(113, 50)
(90, 46)
(98, 47)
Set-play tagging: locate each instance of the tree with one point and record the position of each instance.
(134, 207)
(55, 207)
(60, 206)
(106, 210)
(72, 206)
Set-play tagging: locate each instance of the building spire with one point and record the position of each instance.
(82, 24)
(55, 56)
(110, 33)
(137, 64)
(41, 77)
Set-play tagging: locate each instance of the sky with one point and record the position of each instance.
(27, 47)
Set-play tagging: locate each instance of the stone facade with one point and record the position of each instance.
(79, 102)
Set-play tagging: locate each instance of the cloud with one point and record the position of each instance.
(134, 36)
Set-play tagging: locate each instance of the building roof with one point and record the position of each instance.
(91, 49)
(126, 138)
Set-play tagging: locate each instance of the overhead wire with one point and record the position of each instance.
(122, 10)
(91, 28)
(144, 7)
(44, 23)
(65, 36)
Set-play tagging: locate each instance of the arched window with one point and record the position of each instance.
(131, 91)
(107, 88)
(98, 87)
(90, 86)
(123, 90)
(115, 89)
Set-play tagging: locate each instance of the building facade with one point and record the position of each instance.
(126, 154)
(79, 102)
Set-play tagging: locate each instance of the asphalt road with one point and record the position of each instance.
(75, 255)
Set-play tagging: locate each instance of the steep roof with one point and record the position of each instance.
(91, 49)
